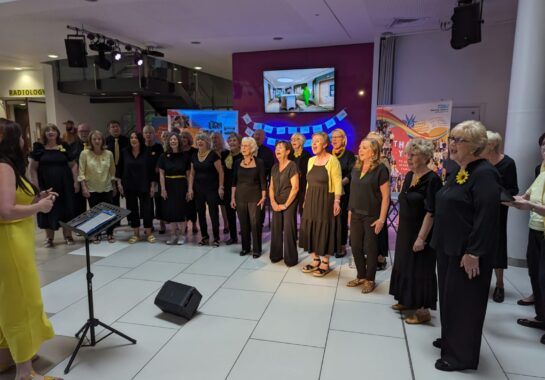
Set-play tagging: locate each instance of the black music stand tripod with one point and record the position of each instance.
(80, 221)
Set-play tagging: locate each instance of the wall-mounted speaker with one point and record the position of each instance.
(76, 51)
(466, 25)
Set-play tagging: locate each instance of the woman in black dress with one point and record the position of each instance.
(283, 191)
(229, 159)
(368, 204)
(174, 175)
(135, 182)
(465, 238)
(218, 146)
(347, 160)
(186, 139)
(508, 175)
(413, 281)
(300, 157)
(208, 187)
(52, 167)
(155, 150)
(320, 231)
(248, 195)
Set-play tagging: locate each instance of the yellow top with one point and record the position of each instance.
(333, 168)
(97, 171)
(537, 194)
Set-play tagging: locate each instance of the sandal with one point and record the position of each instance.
(418, 318)
(69, 240)
(151, 239)
(48, 243)
(134, 239)
(368, 287)
(173, 240)
(321, 272)
(216, 243)
(111, 239)
(204, 241)
(311, 268)
(12, 364)
(399, 307)
(95, 240)
(34, 374)
(355, 282)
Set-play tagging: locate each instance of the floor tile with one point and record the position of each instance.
(296, 276)
(155, 271)
(264, 263)
(258, 280)
(68, 290)
(206, 285)
(371, 319)
(511, 376)
(353, 355)
(65, 263)
(182, 254)
(237, 304)
(291, 362)
(103, 249)
(47, 277)
(518, 277)
(217, 262)
(205, 348)
(379, 295)
(110, 303)
(114, 357)
(298, 314)
(133, 256)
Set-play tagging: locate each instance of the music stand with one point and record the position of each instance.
(88, 225)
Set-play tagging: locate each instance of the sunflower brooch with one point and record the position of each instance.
(462, 176)
(61, 148)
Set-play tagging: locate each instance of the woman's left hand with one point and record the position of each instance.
(336, 208)
(221, 192)
(520, 203)
(46, 193)
(470, 265)
(418, 245)
(261, 203)
(77, 187)
(378, 224)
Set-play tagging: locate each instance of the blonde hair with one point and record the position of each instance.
(339, 130)
(494, 139)
(253, 144)
(90, 139)
(376, 160)
(300, 136)
(204, 137)
(475, 133)
(422, 146)
(148, 128)
(373, 135)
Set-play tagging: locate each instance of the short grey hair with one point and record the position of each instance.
(214, 147)
(425, 147)
(253, 144)
(300, 136)
(148, 128)
(204, 137)
(475, 133)
(494, 139)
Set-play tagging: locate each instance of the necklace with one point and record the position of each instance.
(246, 163)
(202, 156)
(340, 154)
(298, 154)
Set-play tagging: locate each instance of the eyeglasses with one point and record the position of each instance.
(457, 140)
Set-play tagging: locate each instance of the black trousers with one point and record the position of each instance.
(97, 198)
(158, 206)
(364, 243)
(463, 305)
(535, 257)
(284, 236)
(249, 216)
(140, 206)
(210, 198)
(344, 219)
(231, 216)
(80, 203)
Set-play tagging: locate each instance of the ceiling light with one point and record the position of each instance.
(284, 80)
(198, 68)
(278, 38)
(138, 59)
(361, 92)
(23, 104)
(18, 68)
(53, 56)
(175, 69)
(102, 93)
(116, 54)
(179, 82)
(135, 93)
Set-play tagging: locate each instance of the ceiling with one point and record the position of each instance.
(32, 29)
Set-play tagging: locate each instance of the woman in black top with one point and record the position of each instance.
(174, 175)
(186, 140)
(347, 160)
(283, 191)
(508, 175)
(229, 159)
(207, 175)
(300, 157)
(413, 282)
(248, 196)
(52, 167)
(218, 146)
(368, 205)
(465, 237)
(155, 150)
(135, 182)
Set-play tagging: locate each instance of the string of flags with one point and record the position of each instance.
(275, 132)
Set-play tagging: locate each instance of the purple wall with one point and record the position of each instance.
(353, 72)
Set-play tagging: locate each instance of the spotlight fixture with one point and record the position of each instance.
(128, 47)
(53, 56)
(179, 82)
(102, 62)
(116, 53)
(138, 59)
(198, 68)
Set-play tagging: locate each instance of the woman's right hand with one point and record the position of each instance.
(164, 193)
(418, 245)
(233, 203)
(46, 204)
(85, 192)
(189, 195)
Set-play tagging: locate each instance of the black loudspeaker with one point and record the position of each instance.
(466, 25)
(178, 299)
(75, 52)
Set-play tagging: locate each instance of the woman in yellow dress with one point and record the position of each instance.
(23, 324)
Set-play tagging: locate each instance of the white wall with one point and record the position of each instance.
(36, 114)
(20, 80)
(428, 69)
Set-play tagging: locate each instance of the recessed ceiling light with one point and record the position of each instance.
(103, 93)
(23, 104)
(195, 42)
(284, 80)
(135, 93)
(53, 56)
(18, 68)
(198, 68)
(361, 92)
(278, 38)
(179, 82)
(175, 69)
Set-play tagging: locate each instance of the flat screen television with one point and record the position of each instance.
(299, 90)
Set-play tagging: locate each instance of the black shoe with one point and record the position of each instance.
(531, 323)
(231, 241)
(274, 260)
(162, 232)
(256, 255)
(243, 253)
(437, 343)
(522, 302)
(542, 340)
(443, 365)
(381, 265)
(204, 241)
(499, 295)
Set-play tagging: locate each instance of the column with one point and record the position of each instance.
(526, 112)
(139, 112)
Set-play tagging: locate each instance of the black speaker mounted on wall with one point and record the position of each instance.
(178, 299)
(466, 23)
(76, 51)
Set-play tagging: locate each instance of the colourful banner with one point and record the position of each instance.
(398, 124)
(195, 121)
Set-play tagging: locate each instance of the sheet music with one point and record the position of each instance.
(96, 221)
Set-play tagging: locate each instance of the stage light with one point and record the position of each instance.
(116, 53)
(102, 62)
(128, 47)
(138, 59)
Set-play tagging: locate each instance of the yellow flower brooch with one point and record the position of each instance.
(61, 148)
(462, 176)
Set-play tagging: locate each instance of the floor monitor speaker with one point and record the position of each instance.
(178, 299)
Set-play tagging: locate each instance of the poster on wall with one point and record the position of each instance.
(160, 124)
(398, 124)
(195, 121)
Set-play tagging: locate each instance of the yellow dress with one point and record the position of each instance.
(23, 324)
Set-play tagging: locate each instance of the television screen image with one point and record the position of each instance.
(301, 90)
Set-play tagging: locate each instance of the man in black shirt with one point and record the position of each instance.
(115, 143)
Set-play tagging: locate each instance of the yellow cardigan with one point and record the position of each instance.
(333, 167)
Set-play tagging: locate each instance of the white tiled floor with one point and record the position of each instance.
(259, 320)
